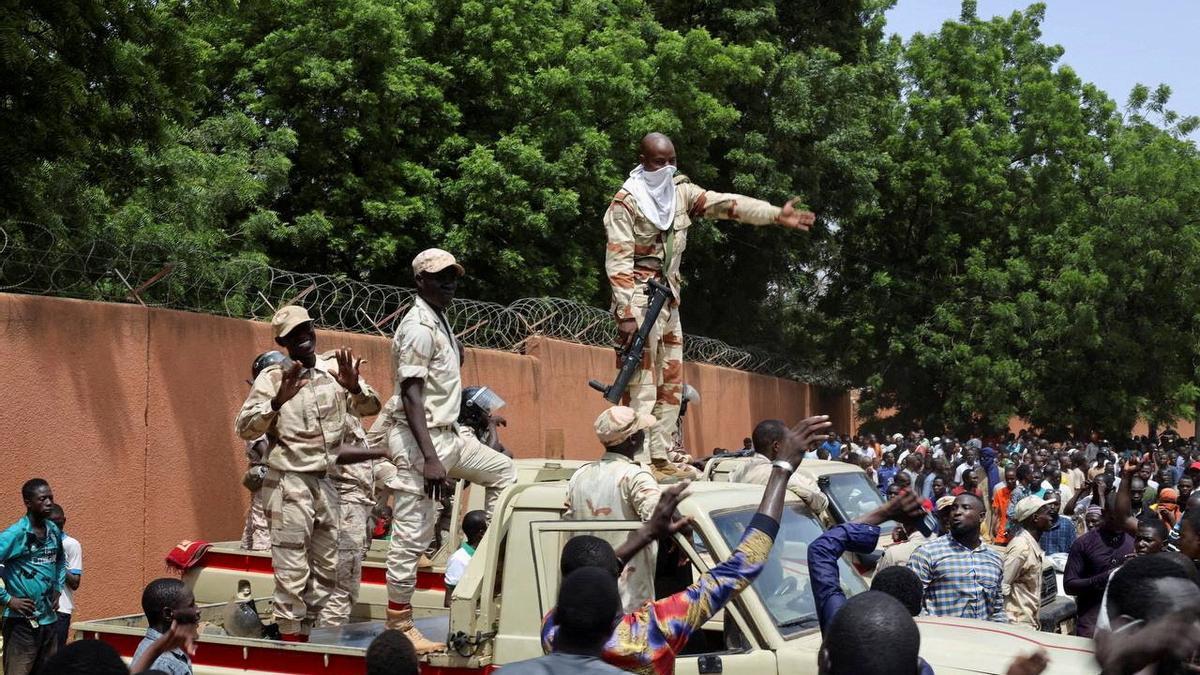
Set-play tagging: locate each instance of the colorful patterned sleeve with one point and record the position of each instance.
(679, 615)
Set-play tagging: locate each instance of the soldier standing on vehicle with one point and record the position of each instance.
(618, 488)
(647, 228)
(303, 410)
(256, 535)
(768, 438)
(426, 443)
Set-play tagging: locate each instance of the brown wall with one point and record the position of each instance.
(128, 412)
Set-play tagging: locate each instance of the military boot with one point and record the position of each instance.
(402, 620)
(665, 472)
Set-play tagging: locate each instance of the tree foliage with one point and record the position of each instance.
(1034, 252)
(997, 237)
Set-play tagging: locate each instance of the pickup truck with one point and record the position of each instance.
(226, 569)
(851, 495)
(510, 584)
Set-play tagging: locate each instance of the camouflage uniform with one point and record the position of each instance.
(617, 488)
(301, 502)
(756, 470)
(256, 534)
(424, 347)
(637, 250)
(355, 484)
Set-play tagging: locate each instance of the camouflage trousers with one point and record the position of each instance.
(414, 515)
(351, 540)
(657, 386)
(304, 514)
(256, 535)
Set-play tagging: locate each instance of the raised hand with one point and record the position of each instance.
(803, 436)
(905, 507)
(347, 374)
(663, 521)
(797, 220)
(291, 385)
(181, 636)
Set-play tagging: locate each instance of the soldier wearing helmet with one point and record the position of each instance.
(256, 535)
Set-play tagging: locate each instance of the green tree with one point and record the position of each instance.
(1003, 275)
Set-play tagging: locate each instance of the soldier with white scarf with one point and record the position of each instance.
(647, 227)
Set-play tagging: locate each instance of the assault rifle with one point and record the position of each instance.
(631, 358)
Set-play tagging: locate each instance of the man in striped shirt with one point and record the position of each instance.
(961, 575)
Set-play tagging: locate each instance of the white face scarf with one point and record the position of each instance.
(654, 192)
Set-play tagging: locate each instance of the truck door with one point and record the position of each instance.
(727, 643)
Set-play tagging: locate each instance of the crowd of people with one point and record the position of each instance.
(975, 520)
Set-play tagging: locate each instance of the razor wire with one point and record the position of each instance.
(192, 277)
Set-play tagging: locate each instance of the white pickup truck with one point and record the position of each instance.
(510, 584)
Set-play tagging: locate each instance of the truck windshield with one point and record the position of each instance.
(853, 496)
(783, 584)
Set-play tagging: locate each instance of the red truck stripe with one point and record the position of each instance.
(427, 580)
(275, 660)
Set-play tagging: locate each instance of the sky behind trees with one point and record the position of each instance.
(1113, 43)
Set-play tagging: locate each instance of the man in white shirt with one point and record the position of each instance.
(74, 555)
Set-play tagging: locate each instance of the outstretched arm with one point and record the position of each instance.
(729, 206)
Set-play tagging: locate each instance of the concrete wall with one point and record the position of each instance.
(128, 412)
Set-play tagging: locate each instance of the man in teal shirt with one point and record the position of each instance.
(34, 573)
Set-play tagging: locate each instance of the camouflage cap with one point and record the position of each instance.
(618, 423)
(944, 502)
(1028, 506)
(434, 260)
(288, 318)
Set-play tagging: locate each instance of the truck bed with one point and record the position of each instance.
(329, 650)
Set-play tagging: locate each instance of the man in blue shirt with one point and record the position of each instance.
(832, 446)
(1057, 539)
(887, 471)
(34, 573)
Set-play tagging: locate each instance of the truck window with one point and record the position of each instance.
(853, 496)
(548, 540)
(783, 586)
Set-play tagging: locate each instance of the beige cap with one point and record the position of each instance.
(1028, 506)
(288, 318)
(434, 260)
(946, 501)
(618, 423)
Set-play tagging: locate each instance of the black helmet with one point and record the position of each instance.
(478, 403)
(267, 359)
